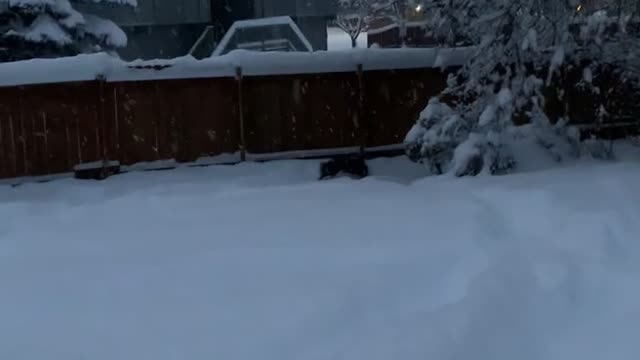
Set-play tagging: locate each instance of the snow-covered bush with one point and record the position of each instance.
(52, 28)
(526, 51)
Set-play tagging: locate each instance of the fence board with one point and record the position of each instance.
(60, 127)
(9, 151)
(394, 100)
(210, 121)
(137, 122)
(301, 112)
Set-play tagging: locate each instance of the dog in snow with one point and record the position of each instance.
(350, 165)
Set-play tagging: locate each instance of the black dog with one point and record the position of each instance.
(354, 166)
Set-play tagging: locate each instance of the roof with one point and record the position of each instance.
(153, 12)
(261, 31)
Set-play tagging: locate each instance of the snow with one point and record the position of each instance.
(73, 19)
(488, 115)
(558, 57)
(530, 42)
(63, 3)
(58, 20)
(504, 97)
(89, 67)
(77, 68)
(490, 112)
(465, 153)
(264, 23)
(60, 8)
(556, 61)
(408, 24)
(44, 28)
(432, 113)
(263, 261)
(383, 29)
(339, 40)
(96, 165)
(587, 75)
(105, 29)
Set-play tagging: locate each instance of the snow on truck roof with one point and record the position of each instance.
(92, 66)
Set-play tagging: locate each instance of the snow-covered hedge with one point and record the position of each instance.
(527, 58)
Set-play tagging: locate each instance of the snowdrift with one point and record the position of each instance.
(260, 261)
(104, 66)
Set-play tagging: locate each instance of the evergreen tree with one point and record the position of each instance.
(523, 51)
(53, 28)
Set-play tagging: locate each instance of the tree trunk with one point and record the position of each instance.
(354, 42)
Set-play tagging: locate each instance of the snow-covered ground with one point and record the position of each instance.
(339, 40)
(261, 261)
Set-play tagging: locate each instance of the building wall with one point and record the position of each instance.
(168, 28)
(312, 16)
(225, 12)
(298, 8)
(315, 29)
(156, 12)
(160, 41)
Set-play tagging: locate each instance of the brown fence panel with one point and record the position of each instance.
(174, 119)
(203, 115)
(34, 109)
(48, 129)
(301, 112)
(9, 152)
(394, 100)
(136, 115)
(64, 124)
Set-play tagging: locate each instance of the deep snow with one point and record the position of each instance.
(337, 39)
(261, 261)
(88, 67)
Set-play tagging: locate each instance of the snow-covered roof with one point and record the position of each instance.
(265, 29)
(90, 67)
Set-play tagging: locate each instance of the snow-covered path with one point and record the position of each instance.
(260, 261)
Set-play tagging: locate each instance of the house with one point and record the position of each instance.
(311, 16)
(169, 28)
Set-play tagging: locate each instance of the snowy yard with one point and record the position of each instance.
(339, 40)
(260, 261)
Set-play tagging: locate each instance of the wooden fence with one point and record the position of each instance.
(139, 114)
(55, 128)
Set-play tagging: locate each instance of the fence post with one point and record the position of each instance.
(100, 79)
(102, 128)
(362, 123)
(243, 144)
(23, 135)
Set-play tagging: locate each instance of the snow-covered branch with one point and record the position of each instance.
(525, 48)
(50, 28)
